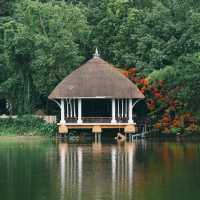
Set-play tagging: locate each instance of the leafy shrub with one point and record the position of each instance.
(26, 125)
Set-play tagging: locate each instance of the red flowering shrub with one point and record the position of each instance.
(164, 110)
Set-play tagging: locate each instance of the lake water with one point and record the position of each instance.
(42, 169)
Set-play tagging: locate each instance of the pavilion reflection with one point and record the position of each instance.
(119, 166)
(97, 148)
(122, 162)
(70, 171)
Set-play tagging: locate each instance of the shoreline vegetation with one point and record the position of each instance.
(29, 125)
(26, 125)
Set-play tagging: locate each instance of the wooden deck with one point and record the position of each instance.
(97, 127)
(90, 125)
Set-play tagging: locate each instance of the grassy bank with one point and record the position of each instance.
(26, 125)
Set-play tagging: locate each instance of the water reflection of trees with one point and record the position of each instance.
(123, 171)
(140, 170)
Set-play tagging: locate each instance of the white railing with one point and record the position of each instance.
(96, 120)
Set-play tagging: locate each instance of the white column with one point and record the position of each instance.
(80, 121)
(113, 121)
(70, 105)
(126, 107)
(67, 108)
(118, 107)
(130, 111)
(62, 108)
(122, 108)
(74, 106)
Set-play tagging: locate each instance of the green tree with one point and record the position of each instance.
(188, 79)
(6, 7)
(42, 45)
(159, 36)
(182, 82)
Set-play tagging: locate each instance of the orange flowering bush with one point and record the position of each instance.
(164, 110)
(184, 122)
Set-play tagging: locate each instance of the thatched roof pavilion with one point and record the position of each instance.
(96, 83)
(96, 78)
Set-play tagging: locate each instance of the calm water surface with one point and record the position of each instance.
(39, 169)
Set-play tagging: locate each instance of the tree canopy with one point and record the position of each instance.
(43, 41)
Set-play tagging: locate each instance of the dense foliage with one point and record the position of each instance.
(41, 44)
(26, 125)
(41, 41)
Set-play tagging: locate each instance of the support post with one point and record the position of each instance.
(62, 108)
(122, 108)
(118, 107)
(70, 105)
(67, 108)
(113, 121)
(130, 111)
(80, 121)
(126, 107)
(74, 106)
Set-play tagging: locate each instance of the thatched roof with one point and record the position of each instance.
(96, 78)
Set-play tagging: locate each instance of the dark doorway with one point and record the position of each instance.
(96, 108)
